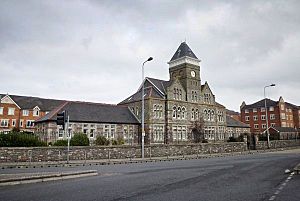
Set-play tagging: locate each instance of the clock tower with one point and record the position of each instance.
(185, 66)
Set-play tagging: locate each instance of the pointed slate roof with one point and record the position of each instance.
(183, 51)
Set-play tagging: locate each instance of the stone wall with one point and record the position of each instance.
(277, 144)
(45, 154)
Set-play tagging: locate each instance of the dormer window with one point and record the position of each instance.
(36, 112)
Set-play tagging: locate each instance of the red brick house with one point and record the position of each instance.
(280, 114)
(20, 112)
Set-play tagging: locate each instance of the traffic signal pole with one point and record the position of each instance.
(68, 135)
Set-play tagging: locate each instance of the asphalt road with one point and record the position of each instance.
(245, 178)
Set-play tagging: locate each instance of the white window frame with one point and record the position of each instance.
(36, 112)
(255, 126)
(4, 123)
(271, 109)
(263, 117)
(25, 113)
(254, 110)
(11, 111)
(272, 116)
(247, 118)
(1, 110)
(255, 118)
(29, 124)
(13, 122)
(246, 111)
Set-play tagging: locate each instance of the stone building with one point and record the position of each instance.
(93, 119)
(235, 127)
(172, 107)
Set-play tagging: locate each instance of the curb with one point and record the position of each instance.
(46, 177)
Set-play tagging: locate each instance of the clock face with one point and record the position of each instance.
(193, 74)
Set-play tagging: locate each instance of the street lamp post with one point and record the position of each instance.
(267, 124)
(143, 108)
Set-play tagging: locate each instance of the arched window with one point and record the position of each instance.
(212, 118)
(196, 114)
(174, 112)
(192, 95)
(180, 94)
(175, 97)
(179, 113)
(183, 115)
(160, 111)
(193, 114)
(205, 115)
(195, 94)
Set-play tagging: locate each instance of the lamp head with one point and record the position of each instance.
(272, 85)
(149, 59)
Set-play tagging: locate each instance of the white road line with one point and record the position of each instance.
(277, 192)
(280, 188)
(283, 184)
(292, 173)
(273, 197)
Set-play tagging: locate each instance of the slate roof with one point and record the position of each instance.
(183, 51)
(261, 104)
(94, 113)
(28, 102)
(285, 129)
(231, 122)
(231, 112)
(156, 89)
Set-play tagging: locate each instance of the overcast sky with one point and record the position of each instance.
(93, 50)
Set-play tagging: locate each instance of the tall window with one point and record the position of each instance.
(183, 113)
(109, 131)
(174, 112)
(158, 133)
(1, 110)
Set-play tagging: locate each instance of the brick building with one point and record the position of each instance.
(20, 112)
(280, 114)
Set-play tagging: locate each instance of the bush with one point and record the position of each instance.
(61, 143)
(101, 140)
(17, 139)
(79, 139)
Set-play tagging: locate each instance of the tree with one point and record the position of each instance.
(79, 139)
(198, 130)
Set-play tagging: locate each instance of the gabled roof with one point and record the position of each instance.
(28, 102)
(183, 51)
(261, 104)
(94, 113)
(154, 88)
(231, 122)
(149, 92)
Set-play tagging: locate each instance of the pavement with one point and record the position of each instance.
(34, 177)
(25, 178)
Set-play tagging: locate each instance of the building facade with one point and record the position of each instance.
(20, 112)
(280, 114)
(172, 107)
(93, 119)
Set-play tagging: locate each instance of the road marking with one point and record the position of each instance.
(281, 186)
(273, 197)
